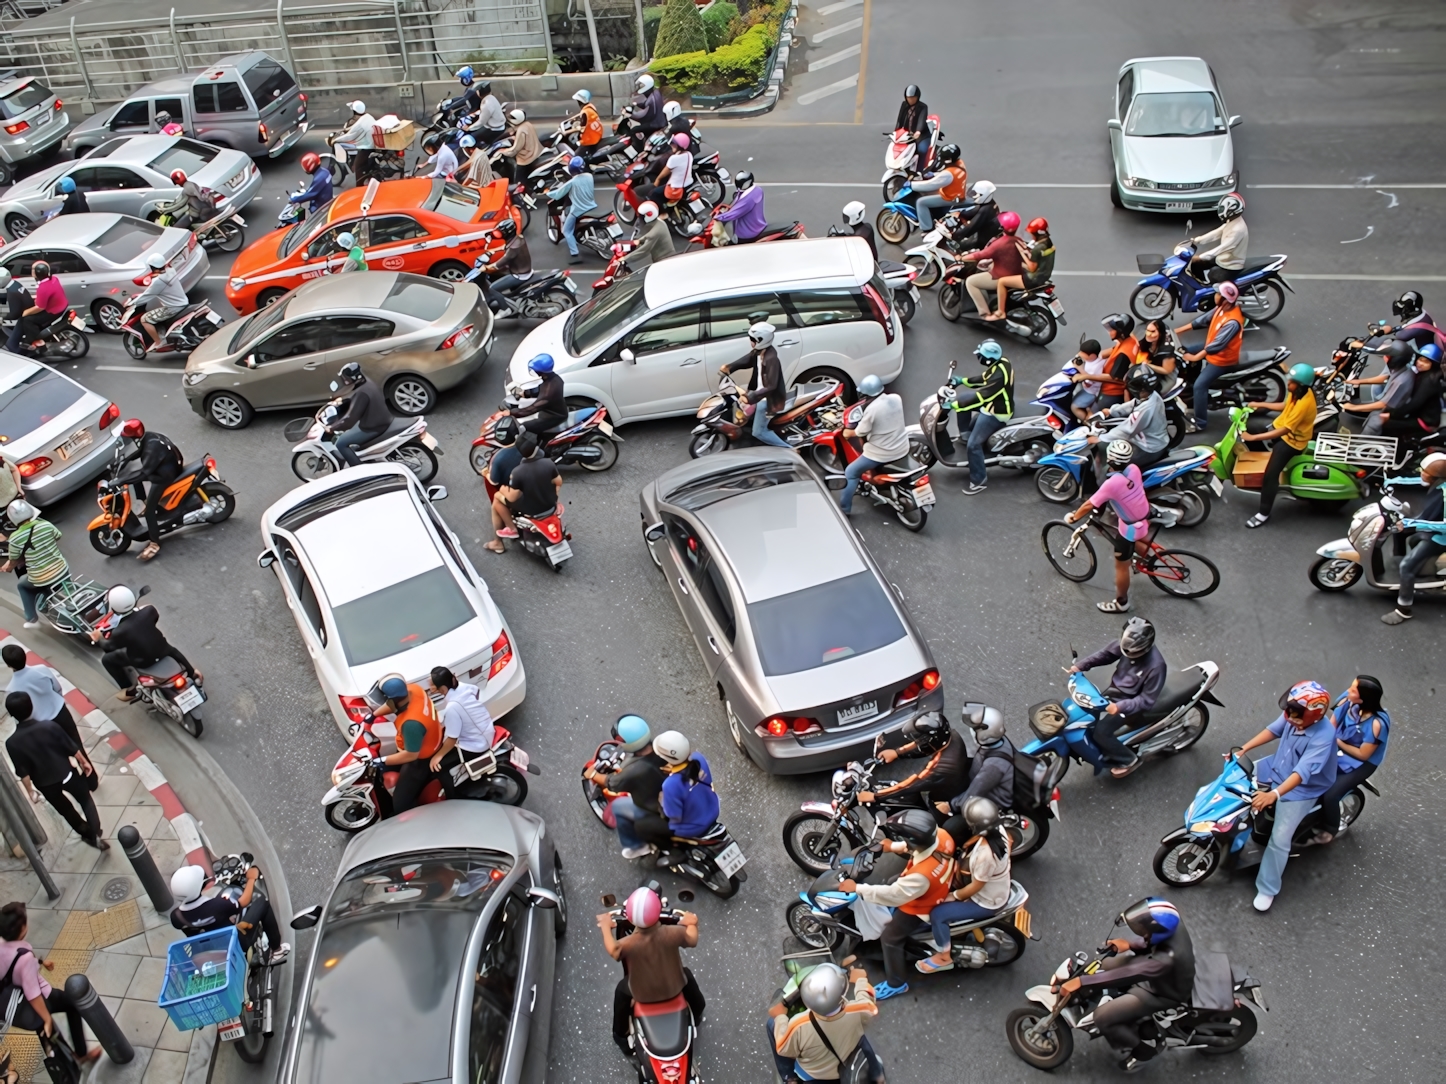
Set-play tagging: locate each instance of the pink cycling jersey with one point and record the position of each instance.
(1125, 492)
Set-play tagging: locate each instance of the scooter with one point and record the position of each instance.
(1221, 830)
(586, 438)
(1339, 565)
(541, 297)
(935, 253)
(617, 264)
(252, 1030)
(187, 330)
(198, 495)
(1168, 283)
(1033, 314)
(163, 686)
(901, 157)
(899, 216)
(1181, 482)
(728, 416)
(901, 486)
(595, 231)
(224, 231)
(405, 441)
(66, 338)
(1259, 377)
(1335, 468)
(720, 234)
(1178, 719)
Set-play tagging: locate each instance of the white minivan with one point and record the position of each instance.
(650, 345)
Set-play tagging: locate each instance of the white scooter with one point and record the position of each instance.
(405, 441)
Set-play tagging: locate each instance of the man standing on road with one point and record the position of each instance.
(41, 752)
(34, 548)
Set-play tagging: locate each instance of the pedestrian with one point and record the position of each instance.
(1363, 727)
(988, 402)
(19, 962)
(33, 552)
(1430, 540)
(46, 700)
(41, 752)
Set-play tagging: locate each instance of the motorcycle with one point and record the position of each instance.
(1178, 719)
(714, 860)
(198, 495)
(1339, 565)
(187, 330)
(587, 439)
(935, 253)
(541, 297)
(1216, 1021)
(163, 686)
(1168, 283)
(1221, 830)
(718, 234)
(66, 338)
(617, 264)
(223, 232)
(1258, 378)
(1033, 314)
(728, 416)
(381, 165)
(405, 441)
(901, 158)
(685, 217)
(596, 231)
(544, 536)
(902, 486)
(1334, 469)
(898, 217)
(252, 1030)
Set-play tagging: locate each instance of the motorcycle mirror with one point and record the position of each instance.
(1073, 654)
(265, 559)
(609, 900)
(628, 356)
(146, 590)
(836, 482)
(543, 897)
(305, 920)
(685, 896)
(436, 493)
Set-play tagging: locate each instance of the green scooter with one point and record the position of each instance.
(1334, 469)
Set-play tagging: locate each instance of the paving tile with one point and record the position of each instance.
(76, 933)
(133, 1072)
(110, 819)
(67, 962)
(168, 1066)
(203, 1051)
(146, 983)
(75, 856)
(168, 855)
(111, 972)
(116, 789)
(173, 1040)
(116, 924)
(145, 817)
(141, 1021)
(44, 927)
(69, 884)
(133, 946)
(160, 939)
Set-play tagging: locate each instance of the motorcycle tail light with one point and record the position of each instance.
(357, 708)
(146, 679)
(456, 337)
(931, 680)
(501, 655)
(210, 464)
(58, 104)
(302, 97)
(32, 467)
(670, 1072)
(179, 681)
(110, 417)
(922, 480)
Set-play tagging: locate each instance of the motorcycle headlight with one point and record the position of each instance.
(338, 777)
(1082, 698)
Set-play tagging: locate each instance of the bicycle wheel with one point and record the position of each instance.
(1074, 560)
(1181, 573)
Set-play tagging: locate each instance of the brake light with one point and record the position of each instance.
(18, 127)
(778, 726)
(147, 680)
(931, 680)
(179, 681)
(908, 694)
(261, 132)
(357, 708)
(210, 464)
(58, 104)
(880, 310)
(34, 466)
(302, 97)
(1055, 423)
(191, 241)
(922, 480)
(109, 418)
(501, 655)
(456, 337)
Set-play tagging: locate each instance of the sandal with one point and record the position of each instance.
(1122, 770)
(149, 552)
(928, 966)
(494, 546)
(1257, 520)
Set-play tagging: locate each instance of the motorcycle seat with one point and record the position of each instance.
(1255, 265)
(596, 214)
(1255, 357)
(1179, 688)
(1178, 455)
(664, 1026)
(712, 835)
(395, 427)
(161, 669)
(188, 310)
(892, 267)
(1018, 897)
(1214, 987)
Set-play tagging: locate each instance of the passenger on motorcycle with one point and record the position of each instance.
(1221, 352)
(1157, 351)
(746, 211)
(1120, 326)
(356, 257)
(987, 401)
(989, 881)
(1363, 727)
(440, 156)
(675, 122)
(75, 202)
(366, 416)
(251, 914)
(17, 297)
(689, 801)
(672, 182)
(158, 463)
(1006, 256)
(1153, 970)
(1038, 264)
(548, 407)
(1292, 431)
(1422, 412)
(1399, 376)
(853, 217)
(515, 265)
(525, 149)
(1298, 773)
(318, 194)
(942, 776)
(976, 228)
(578, 191)
(1140, 672)
(419, 736)
(359, 138)
(135, 640)
(884, 433)
(499, 469)
(534, 489)
(1429, 528)
(34, 544)
(166, 126)
(1220, 254)
(191, 207)
(489, 121)
(165, 295)
(467, 727)
(913, 120)
(942, 190)
(655, 242)
(817, 1043)
(1124, 490)
(50, 304)
(1090, 363)
(1146, 426)
(991, 775)
(639, 811)
(652, 963)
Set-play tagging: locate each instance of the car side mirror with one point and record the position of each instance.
(249, 361)
(628, 356)
(1113, 124)
(436, 493)
(305, 920)
(655, 533)
(265, 559)
(835, 482)
(543, 897)
(1236, 121)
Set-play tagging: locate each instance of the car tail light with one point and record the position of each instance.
(501, 655)
(881, 311)
(191, 242)
(110, 417)
(302, 97)
(58, 104)
(456, 337)
(32, 467)
(778, 726)
(261, 132)
(357, 708)
(915, 689)
(18, 127)
(931, 680)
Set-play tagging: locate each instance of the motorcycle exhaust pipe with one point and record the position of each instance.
(200, 515)
(589, 452)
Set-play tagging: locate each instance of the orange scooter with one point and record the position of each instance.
(197, 496)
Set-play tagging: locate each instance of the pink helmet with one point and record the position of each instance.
(643, 908)
(1228, 291)
(681, 141)
(1009, 222)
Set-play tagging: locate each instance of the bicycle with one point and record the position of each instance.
(1176, 572)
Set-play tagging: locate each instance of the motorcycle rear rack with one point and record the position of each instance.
(1356, 449)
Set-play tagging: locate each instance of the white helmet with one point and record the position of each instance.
(1231, 206)
(156, 260)
(761, 334)
(187, 882)
(645, 84)
(648, 211)
(20, 511)
(671, 110)
(4, 279)
(583, 97)
(672, 747)
(853, 213)
(517, 116)
(121, 599)
(1119, 453)
(357, 107)
(983, 191)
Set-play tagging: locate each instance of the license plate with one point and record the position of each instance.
(520, 760)
(215, 319)
(696, 205)
(1056, 306)
(190, 697)
(77, 441)
(571, 286)
(606, 427)
(858, 712)
(79, 324)
(924, 494)
(239, 179)
(614, 230)
(231, 1030)
(1186, 206)
(238, 220)
(560, 552)
(1217, 486)
(44, 118)
(730, 860)
(430, 441)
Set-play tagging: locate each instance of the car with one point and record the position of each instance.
(414, 336)
(810, 647)
(60, 435)
(1170, 136)
(435, 955)
(98, 257)
(246, 102)
(378, 584)
(33, 121)
(132, 176)
(651, 344)
(423, 225)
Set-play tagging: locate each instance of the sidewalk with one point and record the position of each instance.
(103, 925)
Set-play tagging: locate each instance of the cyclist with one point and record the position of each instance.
(1124, 489)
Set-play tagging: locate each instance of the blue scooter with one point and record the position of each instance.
(1168, 283)
(1221, 830)
(899, 217)
(1176, 722)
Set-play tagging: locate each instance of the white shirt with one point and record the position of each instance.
(1229, 252)
(360, 133)
(466, 719)
(490, 114)
(882, 427)
(444, 162)
(994, 872)
(681, 165)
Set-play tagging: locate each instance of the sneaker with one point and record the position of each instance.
(1113, 606)
(636, 852)
(975, 487)
(883, 991)
(1262, 902)
(1192, 426)
(506, 532)
(1395, 617)
(31, 625)
(1257, 520)
(280, 953)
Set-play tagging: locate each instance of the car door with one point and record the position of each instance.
(1124, 94)
(19, 263)
(390, 238)
(74, 273)
(667, 374)
(132, 118)
(702, 591)
(290, 365)
(495, 992)
(354, 338)
(118, 189)
(727, 334)
(834, 327)
(323, 250)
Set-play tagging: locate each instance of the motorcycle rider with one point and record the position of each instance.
(645, 111)
(1146, 425)
(166, 126)
(166, 297)
(589, 124)
(250, 914)
(578, 191)
(356, 256)
(988, 402)
(991, 774)
(419, 737)
(158, 463)
(674, 121)
(515, 265)
(489, 121)
(653, 968)
(359, 138)
(533, 489)
(853, 218)
(1399, 377)
(440, 156)
(1139, 677)
(1298, 773)
(366, 417)
(318, 194)
(769, 394)
(1292, 432)
(467, 727)
(35, 543)
(476, 167)
(1154, 970)
(1363, 727)
(1124, 490)
(1416, 325)
(1422, 412)
(1430, 539)
(819, 1041)
(191, 207)
(672, 181)
(50, 303)
(75, 202)
(500, 468)
(469, 102)
(689, 801)
(1226, 259)
(913, 120)
(638, 811)
(655, 242)
(17, 297)
(943, 775)
(1038, 263)
(943, 189)
(1226, 324)
(1007, 255)
(975, 228)
(746, 211)
(989, 882)
(548, 407)
(884, 432)
(526, 148)
(135, 641)
(1120, 326)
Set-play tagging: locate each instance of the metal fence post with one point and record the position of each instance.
(176, 42)
(13, 806)
(597, 62)
(402, 41)
(552, 65)
(285, 41)
(80, 60)
(642, 33)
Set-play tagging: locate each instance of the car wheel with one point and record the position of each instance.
(107, 315)
(7, 172)
(735, 729)
(827, 376)
(18, 226)
(229, 410)
(411, 395)
(448, 271)
(1115, 195)
(269, 297)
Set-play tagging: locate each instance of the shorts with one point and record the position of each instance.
(1124, 547)
(158, 315)
(1084, 399)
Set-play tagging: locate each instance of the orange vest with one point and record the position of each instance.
(1125, 348)
(421, 709)
(956, 188)
(1231, 354)
(939, 868)
(592, 131)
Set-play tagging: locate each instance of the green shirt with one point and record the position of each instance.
(1041, 254)
(38, 540)
(356, 260)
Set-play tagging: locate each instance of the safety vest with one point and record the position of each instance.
(1222, 315)
(956, 188)
(592, 131)
(421, 709)
(1126, 348)
(939, 868)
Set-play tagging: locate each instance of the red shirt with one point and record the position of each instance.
(1004, 251)
(50, 296)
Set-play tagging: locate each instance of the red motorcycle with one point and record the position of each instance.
(725, 417)
(586, 438)
(718, 234)
(617, 266)
(902, 485)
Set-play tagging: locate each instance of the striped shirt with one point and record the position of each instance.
(39, 541)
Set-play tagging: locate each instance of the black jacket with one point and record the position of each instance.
(991, 775)
(912, 118)
(159, 459)
(75, 204)
(942, 775)
(1137, 682)
(549, 401)
(768, 378)
(1168, 969)
(366, 407)
(641, 777)
(40, 749)
(18, 298)
(1425, 402)
(864, 230)
(139, 636)
(979, 226)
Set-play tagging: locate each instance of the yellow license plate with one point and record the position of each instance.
(1022, 921)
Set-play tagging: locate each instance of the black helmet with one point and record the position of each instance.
(507, 228)
(1121, 322)
(743, 180)
(1397, 352)
(351, 373)
(916, 827)
(1142, 381)
(949, 153)
(1409, 305)
(912, 91)
(484, 88)
(506, 430)
(930, 731)
(1137, 638)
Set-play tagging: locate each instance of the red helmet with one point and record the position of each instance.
(1009, 222)
(310, 161)
(178, 177)
(1308, 699)
(1038, 225)
(134, 428)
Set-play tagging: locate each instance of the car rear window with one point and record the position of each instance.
(424, 298)
(22, 98)
(126, 240)
(257, 324)
(454, 201)
(403, 616)
(823, 624)
(267, 81)
(106, 149)
(187, 154)
(39, 398)
(597, 319)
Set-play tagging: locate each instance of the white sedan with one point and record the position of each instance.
(378, 584)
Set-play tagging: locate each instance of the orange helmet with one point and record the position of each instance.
(310, 161)
(1038, 225)
(1308, 699)
(178, 177)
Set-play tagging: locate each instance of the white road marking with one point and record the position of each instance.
(1345, 186)
(1394, 201)
(842, 5)
(1369, 230)
(1050, 184)
(835, 31)
(137, 369)
(1292, 276)
(823, 92)
(852, 50)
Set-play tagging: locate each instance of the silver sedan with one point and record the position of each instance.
(57, 433)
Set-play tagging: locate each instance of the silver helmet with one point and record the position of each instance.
(823, 989)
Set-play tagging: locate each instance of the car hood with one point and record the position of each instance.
(545, 338)
(96, 120)
(848, 678)
(260, 255)
(37, 184)
(1182, 160)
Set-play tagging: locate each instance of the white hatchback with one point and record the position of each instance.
(650, 345)
(379, 584)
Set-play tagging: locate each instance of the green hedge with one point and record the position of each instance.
(717, 21)
(737, 64)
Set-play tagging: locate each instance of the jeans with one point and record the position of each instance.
(637, 827)
(956, 911)
(356, 436)
(852, 472)
(1208, 375)
(1423, 554)
(263, 920)
(27, 328)
(927, 205)
(787, 1067)
(1110, 747)
(85, 820)
(981, 428)
(1288, 816)
(30, 595)
(623, 1006)
(569, 232)
(761, 432)
(1330, 801)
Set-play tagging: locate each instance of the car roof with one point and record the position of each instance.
(1166, 74)
(445, 825)
(79, 229)
(353, 558)
(331, 292)
(821, 262)
(138, 150)
(172, 84)
(243, 61)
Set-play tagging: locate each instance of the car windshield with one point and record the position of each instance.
(594, 321)
(454, 201)
(404, 921)
(426, 299)
(124, 242)
(405, 615)
(257, 324)
(826, 623)
(186, 155)
(39, 398)
(1192, 113)
(303, 230)
(22, 98)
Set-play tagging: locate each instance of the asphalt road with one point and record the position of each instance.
(1340, 101)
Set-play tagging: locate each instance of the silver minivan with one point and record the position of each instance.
(33, 121)
(247, 102)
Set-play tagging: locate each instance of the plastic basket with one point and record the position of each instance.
(205, 979)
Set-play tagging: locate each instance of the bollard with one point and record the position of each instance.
(92, 1009)
(145, 867)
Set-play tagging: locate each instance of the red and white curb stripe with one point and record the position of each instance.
(184, 825)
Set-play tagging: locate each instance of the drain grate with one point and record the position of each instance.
(116, 890)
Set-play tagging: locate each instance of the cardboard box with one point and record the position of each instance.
(1249, 471)
(399, 138)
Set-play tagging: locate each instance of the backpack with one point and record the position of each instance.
(1035, 779)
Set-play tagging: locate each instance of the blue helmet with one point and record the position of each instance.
(870, 386)
(394, 689)
(989, 350)
(1432, 351)
(541, 364)
(633, 731)
(67, 185)
(465, 74)
(1152, 918)
(576, 164)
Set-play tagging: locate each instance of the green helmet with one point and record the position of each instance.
(1302, 374)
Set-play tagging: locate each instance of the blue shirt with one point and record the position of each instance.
(44, 690)
(691, 808)
(1310, 753)
(319, 194)
(1353, 729)
(579, 193)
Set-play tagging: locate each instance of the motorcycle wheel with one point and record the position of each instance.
(893, 226)
(1044, 1050)
(927, 271)
(191, 722)
(1056, 485)
(110, 541)
(1194, 507)
(554, 229)
(711, 878)
(711, 187)
(481, 458)
(1332, 574)
(1186, 862)
(232, 238)
(222, 499)
(892, 187)
(806, 840)
(904, 305)
(418, 458)
(826, 461)
(1264, 387)
(1262, 301)
(1042, 326)
(912, 518)
(309, 466)
(351, 815)
(1151, 302)
(1243, 1026)
(251, 1047)
(624, 210)
(707, 443)
(505, 786)
(1076, 567)
(135, 344)
(951, 301)
(71, 344)
(608, 458)
(554, 301)
(805, 926)
(1028, 838)
(1192, 729)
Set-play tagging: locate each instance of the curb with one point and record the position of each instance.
(765, 102)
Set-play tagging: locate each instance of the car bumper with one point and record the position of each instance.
(195, 268)
(1168, 202)
(19, 148)
(246, 193)
(76, 475)
(289, 140)
(459, 370)
(832, 749)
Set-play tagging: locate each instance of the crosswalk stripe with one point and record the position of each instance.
(835, 31)
(842, 5)
(852, 50)
(833, 88)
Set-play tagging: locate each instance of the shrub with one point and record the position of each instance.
(651, 18)
(717, 21)
(737, 64)
(680, 30)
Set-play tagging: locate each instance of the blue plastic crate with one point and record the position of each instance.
(205, 979)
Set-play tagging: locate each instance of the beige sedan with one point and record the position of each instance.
(413, 335)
